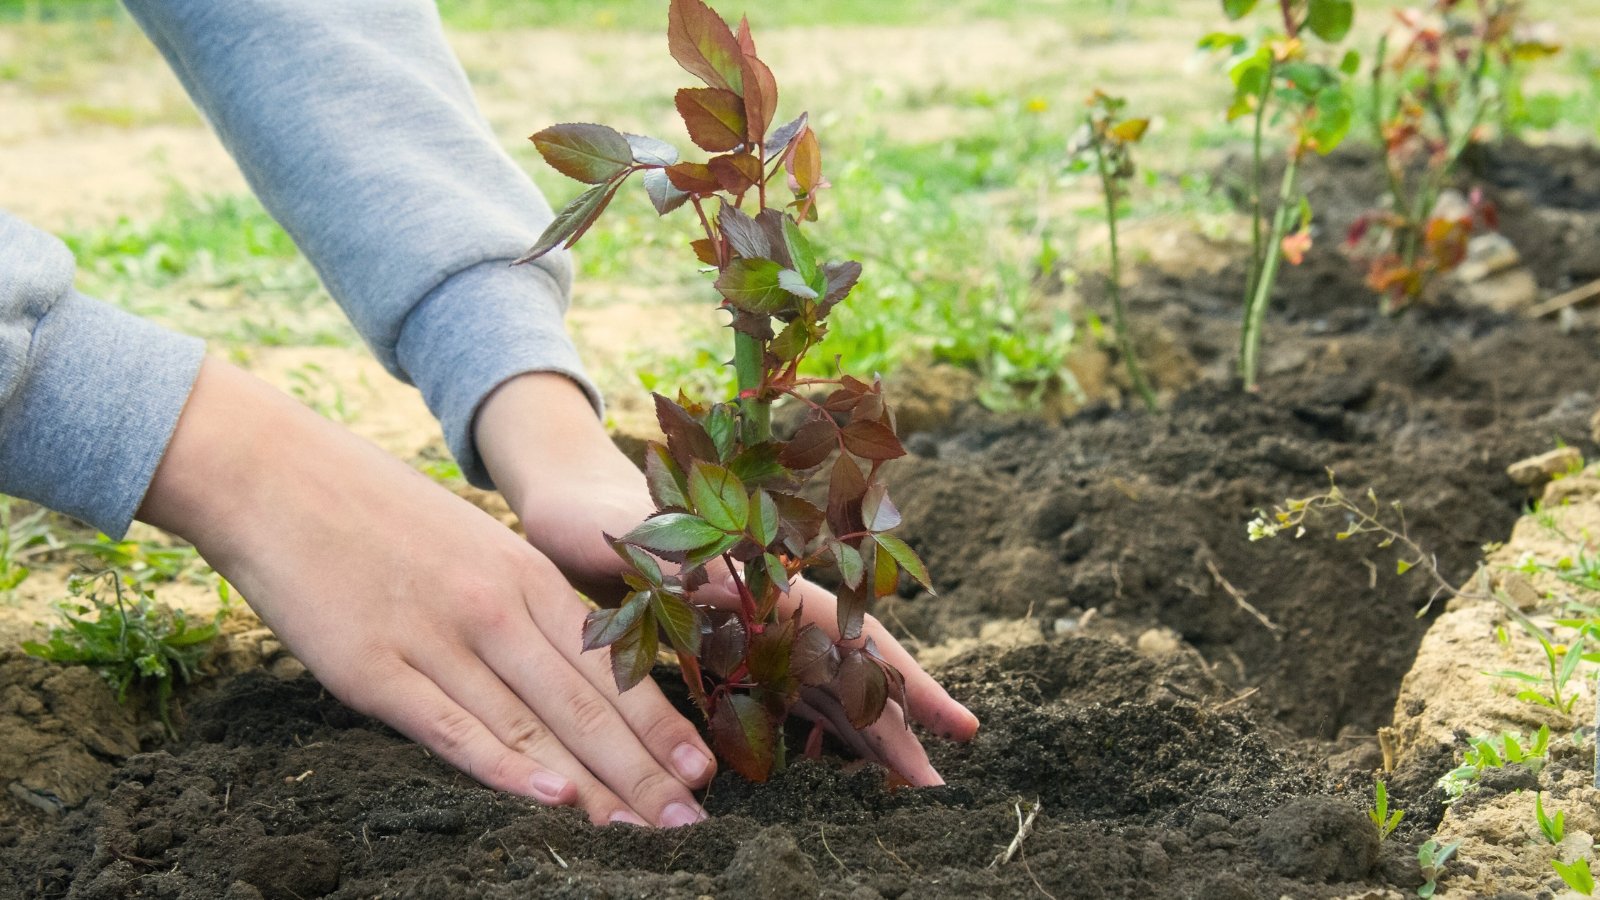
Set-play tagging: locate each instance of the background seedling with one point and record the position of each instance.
(1554, 828)
(1576, 874)
(23, 536)
(131, 641)
(1431, 859)
(1382, 819)
(727, 491)
(1493, 752)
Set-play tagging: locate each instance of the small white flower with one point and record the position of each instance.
(1260, 528)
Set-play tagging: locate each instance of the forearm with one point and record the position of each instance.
(356, 126)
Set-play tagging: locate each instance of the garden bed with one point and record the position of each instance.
(1191, 714)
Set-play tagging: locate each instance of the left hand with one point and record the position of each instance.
(569, 485)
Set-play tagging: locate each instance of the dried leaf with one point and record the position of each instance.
(703, 45)
(704, 250)
(742, 734)
(592, 154)
(714, 117)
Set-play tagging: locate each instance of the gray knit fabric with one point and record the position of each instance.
(355, 125)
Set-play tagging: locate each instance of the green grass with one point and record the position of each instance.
(215, 266)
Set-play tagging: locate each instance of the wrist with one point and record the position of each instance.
(537, 429)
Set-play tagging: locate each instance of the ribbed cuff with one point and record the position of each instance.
(92, 417)
(482, 326)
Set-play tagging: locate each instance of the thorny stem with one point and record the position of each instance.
(1290, 27)
(1119, 317)
(1256, 311)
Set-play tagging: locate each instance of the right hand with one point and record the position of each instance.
(411, 605)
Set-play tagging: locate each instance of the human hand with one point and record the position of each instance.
(569, 485)
(411, 605)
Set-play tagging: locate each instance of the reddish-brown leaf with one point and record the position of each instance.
(736, 172)
(872, 440)
(813, 659)
(703, 44)
(746, 237)
(747, 44)
(842, 277)
(851, 611)
(778, 141)
(687, 439)
(861, 687)
(811, 444)
(771, 222)
(692, 178)
(679, 620)
(704, 250)
(634, 653)
(724, 647)
(714, 117)
(801, 518)
(846, 486)
(760, 97)
(668, 486)
(742, 734)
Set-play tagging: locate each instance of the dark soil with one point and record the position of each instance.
(1238, 768)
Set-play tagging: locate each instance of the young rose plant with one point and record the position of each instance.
(1276, 78)
(1431, 99)
(728, 492)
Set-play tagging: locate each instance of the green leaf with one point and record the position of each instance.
(764, 524)
(679, 620)
(742, 734)
(1350, 64)
(776, 573)
(702, 555)
(1237, 9)
(592, 154)
(719, 497)
(906, 557)
(801, 257)
(674, 533)
(758, 464)
(1331, 19)
(572, 222)
(704, 45)
(851, 566)
(723, 428)
(668, 487)
(641, 562)
(649, 151)
(634, 653)
(1401, 567)
(792, 340)
(714, 117)
(604, 627)
(885, 574)
(752, 284)
(794, 283)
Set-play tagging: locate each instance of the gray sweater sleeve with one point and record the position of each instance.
(89, 395)
(354, 123)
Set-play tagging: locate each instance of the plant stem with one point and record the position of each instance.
(1255, 183)
(1118, 316)
(756, 423)
(1256, 312)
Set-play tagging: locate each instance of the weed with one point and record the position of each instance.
(1554, 828)
(1382, 819)
(140, 562)
(726, 491)
(132, 643)
(1277, 73)
(1431, 859)
(1576, 874)
(1107, 139)
(22, 537)
(1493, 752)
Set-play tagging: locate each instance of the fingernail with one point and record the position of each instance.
(547, 786)
(624, 817)
(691, 762)
(677, 815)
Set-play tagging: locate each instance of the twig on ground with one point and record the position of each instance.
(1024, 828)
(1563, 301)
(1246, 605)
(824, 832)
(1234, 701)
(556, 856)
(894, 856)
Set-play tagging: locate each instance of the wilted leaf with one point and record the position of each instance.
(673, 533)
(664, 195)
(1330, 19)
(703, 44)
(742, 734)
(694, 178)
(736, 172)
(714, 117)
(872, 440)
(906, 557)
(572, 222)
(752, 285)
(592, 154)
(778, 141)
(811, 444)
(603, 627)
(679, 620)
(861, 688)
(878, 512)
(719, 497)
(634, 653)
